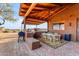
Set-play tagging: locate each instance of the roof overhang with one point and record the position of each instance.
(39, 13)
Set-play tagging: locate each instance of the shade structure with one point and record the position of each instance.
(41, 12)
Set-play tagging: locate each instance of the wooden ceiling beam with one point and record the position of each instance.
(30, 9)
(35, 10)
(42, 14)
(24, 6)
(60, 4)
(37, 18)
(24, 11)
(52, 13)
(39, 15)
(44, 5)
(27, 13)
(61, 9)
(33, 22)
(27, 10)
(21, 14)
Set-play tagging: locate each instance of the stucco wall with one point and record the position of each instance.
(67, 16)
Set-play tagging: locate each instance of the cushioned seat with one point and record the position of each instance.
(37, 35)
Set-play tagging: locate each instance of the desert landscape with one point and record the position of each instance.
(8, 35)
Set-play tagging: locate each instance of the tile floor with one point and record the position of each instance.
(10, 47)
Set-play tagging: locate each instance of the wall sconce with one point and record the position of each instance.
(71, 15)
(70, 24)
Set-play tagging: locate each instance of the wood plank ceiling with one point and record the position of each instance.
(41, 12)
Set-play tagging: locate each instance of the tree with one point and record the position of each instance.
(6, 13)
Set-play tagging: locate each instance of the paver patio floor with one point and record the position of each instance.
(10, 47)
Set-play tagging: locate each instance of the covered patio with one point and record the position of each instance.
(60, 22)
(57, 15)
(38, 13)
(61, 19)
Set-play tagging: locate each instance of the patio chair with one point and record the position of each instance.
(37, 35)
(44, 37)
(49, 38)
(56, 38)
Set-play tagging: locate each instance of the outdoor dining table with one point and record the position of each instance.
(53, 37)
(49, 36)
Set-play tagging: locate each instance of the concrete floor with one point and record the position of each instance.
(10, 47)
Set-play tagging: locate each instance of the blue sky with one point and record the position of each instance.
(17, 24)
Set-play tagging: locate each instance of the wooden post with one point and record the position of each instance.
(24, 25)
(27, 13)
(36, 26)
(47, 26)
(48, 23)
(48, 19)
(25, 29)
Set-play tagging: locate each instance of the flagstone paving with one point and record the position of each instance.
(10, 47)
